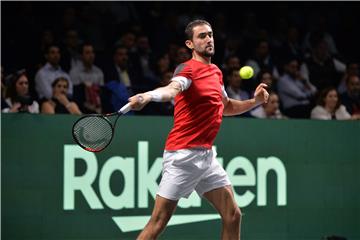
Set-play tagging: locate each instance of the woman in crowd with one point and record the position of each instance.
(329, 107)
(17, 97)
(60, 103)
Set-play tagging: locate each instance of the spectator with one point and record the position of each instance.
(292, 46)
(128, 40)
(60, 103)
(161, 65)
(233, 88)
(296, 93)
(164, 108)
(231, 62)
(17, 95)
(329, 107)
(49, 72)
(318, 28)
(121, 81)
(351, 98)
(266, 77)
(47, 39)
(122, 71)
(260, 60)
(71, 56)
(321, 69)
(87, 79)
(182, 55)
(351, 69)
(270, 109)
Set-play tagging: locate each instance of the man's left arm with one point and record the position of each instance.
(235, 107)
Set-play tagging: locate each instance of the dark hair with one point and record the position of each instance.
(189, 33)
(58, 80)
(262, 72)
(118, 46)
(324, 93)
(12, 80)
(348, 77)
(47, 49)
(83, 45)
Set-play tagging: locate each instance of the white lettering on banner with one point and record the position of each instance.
(147, 176)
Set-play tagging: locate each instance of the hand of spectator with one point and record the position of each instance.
(355, 117)
(15, 107)
(62, 98)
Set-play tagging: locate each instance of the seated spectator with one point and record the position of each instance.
(269, 109)
(231, 62)
(59, 102)
(182, 55)
(351, 69)
(70, 51)
(329, 107)
(17, 95)
(233, 88)
(262, 58)
(292, 44)
(266, 77)
(295, 92)
(322, 69)
(122, 71)
(49, 72)
(351, 98)
(87, 79)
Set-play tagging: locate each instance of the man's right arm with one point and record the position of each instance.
(162, 94)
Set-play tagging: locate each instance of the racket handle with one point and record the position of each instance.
(125, 108)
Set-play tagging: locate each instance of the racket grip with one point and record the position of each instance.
(125, 108)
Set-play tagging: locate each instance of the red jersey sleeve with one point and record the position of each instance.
(184, 70)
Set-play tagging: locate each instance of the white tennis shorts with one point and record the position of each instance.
(187, 170)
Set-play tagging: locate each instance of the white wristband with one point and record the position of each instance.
(155, 96)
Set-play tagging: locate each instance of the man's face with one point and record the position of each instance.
(88, 54)
(292, 68)
(203, 41)
(53, 55)
(353, 85)
(235, 79)
(121, 57)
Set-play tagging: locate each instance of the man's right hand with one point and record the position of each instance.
(139, 101)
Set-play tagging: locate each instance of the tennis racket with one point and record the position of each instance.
(94, 132)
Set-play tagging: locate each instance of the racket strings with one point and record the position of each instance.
(93, 133)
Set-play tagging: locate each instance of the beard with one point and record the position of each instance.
(208, 53)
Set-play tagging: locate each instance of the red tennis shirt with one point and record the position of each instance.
(199, 108)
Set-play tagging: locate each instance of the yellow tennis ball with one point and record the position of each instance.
(246, 72)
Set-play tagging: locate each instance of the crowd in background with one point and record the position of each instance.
(90, 57)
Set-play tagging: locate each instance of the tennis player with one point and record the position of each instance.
(189, 161)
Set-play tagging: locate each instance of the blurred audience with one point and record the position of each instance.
(145, 57)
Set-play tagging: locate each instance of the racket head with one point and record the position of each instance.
(93, 132)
